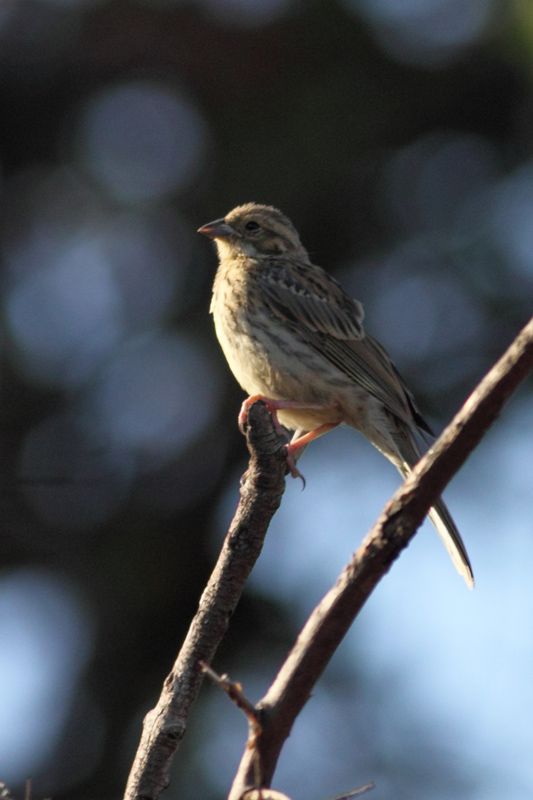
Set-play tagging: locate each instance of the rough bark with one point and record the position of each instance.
(164, 726)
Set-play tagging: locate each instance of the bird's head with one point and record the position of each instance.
(255, 230)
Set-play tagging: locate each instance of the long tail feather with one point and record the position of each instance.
(447, 530)
(438, 514)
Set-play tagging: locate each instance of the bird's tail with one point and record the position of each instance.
(438, 514)
(447, 530)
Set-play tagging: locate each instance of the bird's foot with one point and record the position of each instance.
(272, 406)
(291, 464)
(298, 442)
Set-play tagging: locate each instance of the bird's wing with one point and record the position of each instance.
(305, 294)
(310, 301)
(419, 419)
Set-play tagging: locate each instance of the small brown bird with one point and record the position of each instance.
(293, 337)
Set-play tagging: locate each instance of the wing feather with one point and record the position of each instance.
(311, 301)
(308, 295)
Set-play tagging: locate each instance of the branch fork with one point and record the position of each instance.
(262, 487)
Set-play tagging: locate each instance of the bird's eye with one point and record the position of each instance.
(252, 225)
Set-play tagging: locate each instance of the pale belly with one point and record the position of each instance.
(263, 366)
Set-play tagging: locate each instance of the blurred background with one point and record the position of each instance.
(399, 139)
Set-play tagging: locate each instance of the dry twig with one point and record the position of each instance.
(164, 726)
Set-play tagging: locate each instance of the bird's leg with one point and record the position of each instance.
(297, 441)
(273, 407)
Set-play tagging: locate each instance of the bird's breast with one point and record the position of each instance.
(267, 356)
(234, 310)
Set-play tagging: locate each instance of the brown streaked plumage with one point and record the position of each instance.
(291, 334)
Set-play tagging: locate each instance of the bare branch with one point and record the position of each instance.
(261, 491)
(396, 526)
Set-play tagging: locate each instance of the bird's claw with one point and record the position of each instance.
(291, 464)
(272, 407)
(243, 414)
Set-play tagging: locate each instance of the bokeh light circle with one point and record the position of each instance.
(142, 140)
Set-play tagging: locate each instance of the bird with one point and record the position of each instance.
(294, 338)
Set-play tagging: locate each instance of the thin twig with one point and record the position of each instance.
(252, 713)
(355, 792)
(235, 693)
(261, 491)
(331, 619)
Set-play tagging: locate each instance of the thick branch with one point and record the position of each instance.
(396, 526)
(261, 492)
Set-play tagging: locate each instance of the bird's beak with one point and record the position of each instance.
(218, 229)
